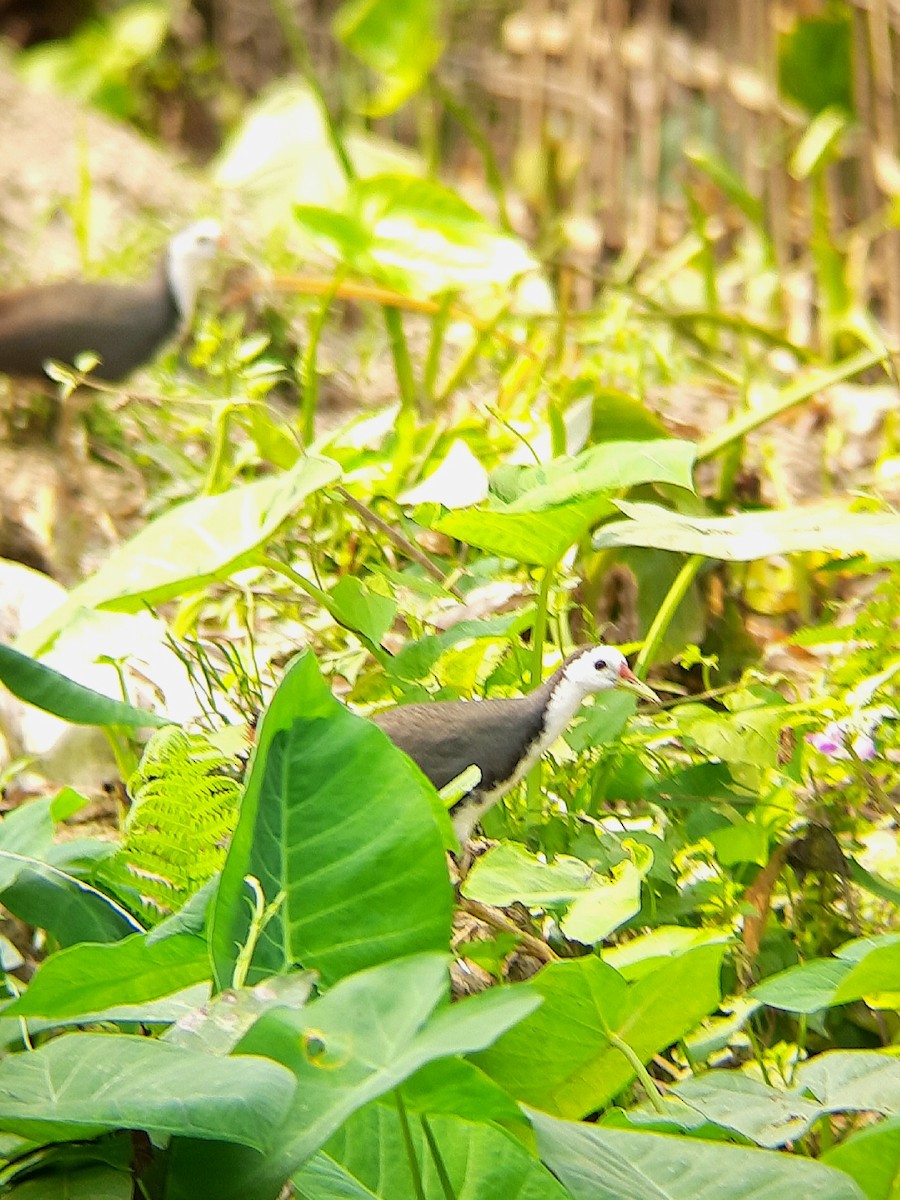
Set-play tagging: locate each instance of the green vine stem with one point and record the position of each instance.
(214, 483)
(789, 397)
(666, 613)
(292, 35)
(294, 577)
(410, 1148)
(310, 400)
(437, 1158)
(393, 320)
(654, 1095)
(538, 637)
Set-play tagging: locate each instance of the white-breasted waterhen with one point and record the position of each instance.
(124, 324)
(504, 738)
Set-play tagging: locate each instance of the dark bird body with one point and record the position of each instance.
(504, 726)
(504, 738)
(124, 324)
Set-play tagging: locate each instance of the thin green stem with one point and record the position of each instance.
(261, 915)
(533, 791)
(213, 483)
(802, 1035)
(666, 613)
(539, 629)
(372, 519)
(439, 324)
(393, 320)
(467, 358)
(438, 1160)
(279, 568)
(654, 1095)
(826, 1133)
(296, 44)
(418, 1186)
(122, 752)
(796, 393)
(492, 173)
(758, 1054)
(310, 374)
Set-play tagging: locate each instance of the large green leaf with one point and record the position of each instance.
(540, 538)
(47, 689)
(26, 833)
(359, 608)
(89, 978)
(872, 1158)
(400, 39)
(876, 976)
(179, 1006)
(80, 1084)
(613, 1164)
(367, 1035)
(417, 235)
(76, 1182)
(837, 1081)
(345, 826)
(456, 1087)
(815, 60)
(599, 903)
(867, 968)
(218, 1025)
(560, 1058)
(538, 512)
(829, 529)
(70, 909)
(367, 1158)
(608, 467)
(280, 155)
(41, 893)
(192, 545)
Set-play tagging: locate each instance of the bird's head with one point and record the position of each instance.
(189, 252)
(600, 668)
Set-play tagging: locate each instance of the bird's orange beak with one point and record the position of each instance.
(628, 679)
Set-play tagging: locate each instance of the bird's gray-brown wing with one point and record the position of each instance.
(445, 737)
(124, 324)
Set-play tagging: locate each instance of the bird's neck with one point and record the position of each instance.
(181, 280)
(563, 698)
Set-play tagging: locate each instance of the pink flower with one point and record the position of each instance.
(864, 747)
(830, 741)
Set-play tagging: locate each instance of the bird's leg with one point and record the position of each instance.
(71, 434)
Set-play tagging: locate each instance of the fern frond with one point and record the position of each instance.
(184, 808)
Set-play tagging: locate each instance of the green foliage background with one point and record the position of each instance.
(683, 934)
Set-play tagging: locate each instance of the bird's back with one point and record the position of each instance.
(124, 324)
(445, 737)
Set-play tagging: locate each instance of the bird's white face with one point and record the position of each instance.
(189, 251)
(199, 242)
(600, 668)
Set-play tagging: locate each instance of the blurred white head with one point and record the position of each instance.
(189, 252)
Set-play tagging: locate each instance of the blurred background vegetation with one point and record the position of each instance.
(594, 305)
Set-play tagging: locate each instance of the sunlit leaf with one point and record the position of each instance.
(419, 236)
(400, 39)
(614, 1164)
(560, 1058)
(190, 546)
(341, 824)
(830, 529)
(84, 1083)
(40, 685)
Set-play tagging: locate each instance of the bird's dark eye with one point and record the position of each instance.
(600, 664)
